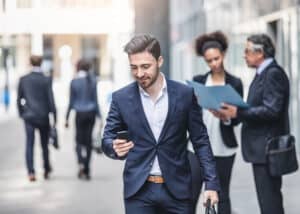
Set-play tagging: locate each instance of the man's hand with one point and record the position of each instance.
(229, 111)
(212, 195)
(122, 147)
(219, 115)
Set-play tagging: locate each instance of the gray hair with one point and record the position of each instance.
(262, 42)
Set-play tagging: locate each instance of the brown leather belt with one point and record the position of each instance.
(156, 179)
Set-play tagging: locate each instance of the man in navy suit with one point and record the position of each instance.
(267, 117)
(35, 102)
(157, 113)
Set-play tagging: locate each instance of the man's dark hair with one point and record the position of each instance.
(265, 41)
(141, 43)
(36, 60)
(83, 64)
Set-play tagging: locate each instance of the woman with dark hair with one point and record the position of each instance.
(212, 47)
(83, 99)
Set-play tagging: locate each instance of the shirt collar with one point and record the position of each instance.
(36, 69)
(263, 65)
(163, 89)
(81, 74)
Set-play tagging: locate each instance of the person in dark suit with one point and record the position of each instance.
(212, 47)
(35, 102)
(266, 117)
(84, 100)
(157, 113)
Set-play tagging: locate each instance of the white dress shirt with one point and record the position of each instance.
(156, 114)
(214, 131)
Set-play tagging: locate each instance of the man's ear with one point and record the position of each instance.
(160, 61)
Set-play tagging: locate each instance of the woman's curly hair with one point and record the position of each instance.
(215, 39)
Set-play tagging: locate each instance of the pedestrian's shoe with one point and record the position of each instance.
(87, 176)
(80, 172)
(31, 177)
(47, 173)
(84, 176)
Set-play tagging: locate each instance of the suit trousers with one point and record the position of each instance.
(268, 189)
(84, 127)
(155, 198)
(44, 135)
(224, 169)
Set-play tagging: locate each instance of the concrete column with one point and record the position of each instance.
(153, 18)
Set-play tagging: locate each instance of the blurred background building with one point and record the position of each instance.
(238, 19)
(64, 31)
(153, 18)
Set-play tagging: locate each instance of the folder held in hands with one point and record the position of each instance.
(212, 97)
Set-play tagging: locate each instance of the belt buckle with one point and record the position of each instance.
(156, 179)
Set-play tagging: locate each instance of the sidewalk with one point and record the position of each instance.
(64, 193)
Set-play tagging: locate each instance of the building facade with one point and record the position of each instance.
(153, 18)
(238, 19)
(65, 30)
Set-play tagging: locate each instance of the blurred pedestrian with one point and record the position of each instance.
(84, 100)
(266, 117)
(212, 47)
(157, 113)
(35, 102)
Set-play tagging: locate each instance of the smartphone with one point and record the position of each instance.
(123, 135)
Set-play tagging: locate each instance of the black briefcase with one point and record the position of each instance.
(281, 155)
(53, 139)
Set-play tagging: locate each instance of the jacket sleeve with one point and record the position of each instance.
(20, 95)
(71, 101)
(201, 144)
(273, 99)
(114, 123)
(239, 89)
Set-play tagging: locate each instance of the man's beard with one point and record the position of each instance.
(152, 80)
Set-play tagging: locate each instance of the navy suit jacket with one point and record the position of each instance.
(126, 113)
(227, 131)
(268, 115)
(36, 89)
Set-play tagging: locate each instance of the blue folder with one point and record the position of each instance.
(212, 97)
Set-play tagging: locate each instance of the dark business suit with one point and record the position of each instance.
(267, 117)
(126, 113)
(83, 99)
(35, 101)
(225, 164)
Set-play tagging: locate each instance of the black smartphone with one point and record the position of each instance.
(123, 135)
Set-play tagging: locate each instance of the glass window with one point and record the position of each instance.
(24, 3)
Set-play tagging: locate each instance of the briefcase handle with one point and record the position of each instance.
(210, 209)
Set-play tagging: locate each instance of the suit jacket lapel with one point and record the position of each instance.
(172, 98)
(258, 78)
(204, 78)
(138, 110)
(227, 78)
